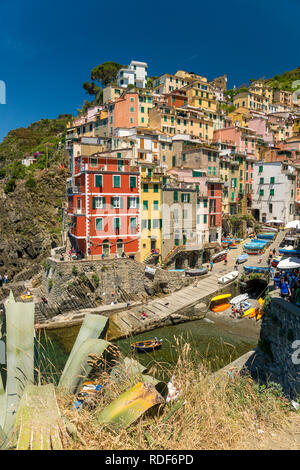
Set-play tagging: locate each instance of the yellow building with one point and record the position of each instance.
(144, 106)
(111, 93)
(296, 126)
(240, 115)
(187, 120)
(200, 95)
(152, 179)
(260, 88)
(251, 101)
(232, 173)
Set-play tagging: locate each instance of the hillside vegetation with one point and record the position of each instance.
(285, 80)
(31, 199)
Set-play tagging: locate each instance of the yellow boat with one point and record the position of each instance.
(26, 297)
(259, 315)
(254, 313)
(220, 297)
(249, 312)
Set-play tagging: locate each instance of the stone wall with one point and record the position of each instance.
(71, 285)
(279, 332)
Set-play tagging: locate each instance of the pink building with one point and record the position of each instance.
(244, 138)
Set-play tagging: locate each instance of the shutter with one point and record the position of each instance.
(182, 199)
(103, 202)
(175, 195)
(137, 202)
(112, 202)
(189, 197)
(128, 203)
(121, 202)
(149, 224)
(94, 203)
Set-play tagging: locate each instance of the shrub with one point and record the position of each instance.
(74, 270)
(50, 284)
(10, 186)
(95, 279)
(30, 183)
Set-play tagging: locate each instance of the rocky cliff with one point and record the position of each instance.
(30, 222)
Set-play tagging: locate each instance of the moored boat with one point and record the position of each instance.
(256, 269)
(146, 346)
(219, 256)
(196, 272)
(239, 298)
(242, 258)
(228, 277)
(220, 307)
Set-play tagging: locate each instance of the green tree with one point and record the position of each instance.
(105, 72)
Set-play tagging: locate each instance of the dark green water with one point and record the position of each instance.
(212, 344)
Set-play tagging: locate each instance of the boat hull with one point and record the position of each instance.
(220, 307)
(146, 346)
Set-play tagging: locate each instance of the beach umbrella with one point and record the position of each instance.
(289, 263)
(293, 224)
(275, 221)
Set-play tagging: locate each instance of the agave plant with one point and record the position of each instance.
(29, 414)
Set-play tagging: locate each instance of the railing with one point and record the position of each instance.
(74, 190)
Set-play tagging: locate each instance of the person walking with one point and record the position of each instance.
(1, 280)
(211, 265)
(6, 279)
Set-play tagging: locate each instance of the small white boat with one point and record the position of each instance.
(238, 299)
(228, 277)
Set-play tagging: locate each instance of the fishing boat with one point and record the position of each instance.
(242, 258)
(265, 236)
(256, 269)
(233, 247)
(275, 262)
(239, 298)
(196, 272)
(146, 346)
(254, 248)
(289, 252)
(228, 277)
(219, 256)
(269, 229)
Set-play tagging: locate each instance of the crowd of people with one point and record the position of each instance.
(289, 284)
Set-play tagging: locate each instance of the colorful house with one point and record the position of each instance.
(104, 204)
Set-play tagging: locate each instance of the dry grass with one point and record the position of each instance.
(205, 416)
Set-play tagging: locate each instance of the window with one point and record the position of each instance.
(205, 202)
(261, 192)
(98, 181)
(205, 218)
(155, 205)
(185, 197)
(116, 202)
(133, 224)
(99, 224)
(155, 223)
(116, 181)
(116, 224)
(144, 224)
(132, 181)
(260, 169)
(132, 110)
(156, 188)
(94, 162)
(175, 196)
(120, 165)
(261, 181)
(145, 187)
(132, 202)
(98, 202)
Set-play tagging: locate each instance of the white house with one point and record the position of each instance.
(274, 187)
(135, 74)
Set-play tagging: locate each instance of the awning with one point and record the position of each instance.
(293, 224)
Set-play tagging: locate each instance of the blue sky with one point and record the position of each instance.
(48, 48)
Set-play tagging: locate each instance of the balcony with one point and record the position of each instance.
(74, 190)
